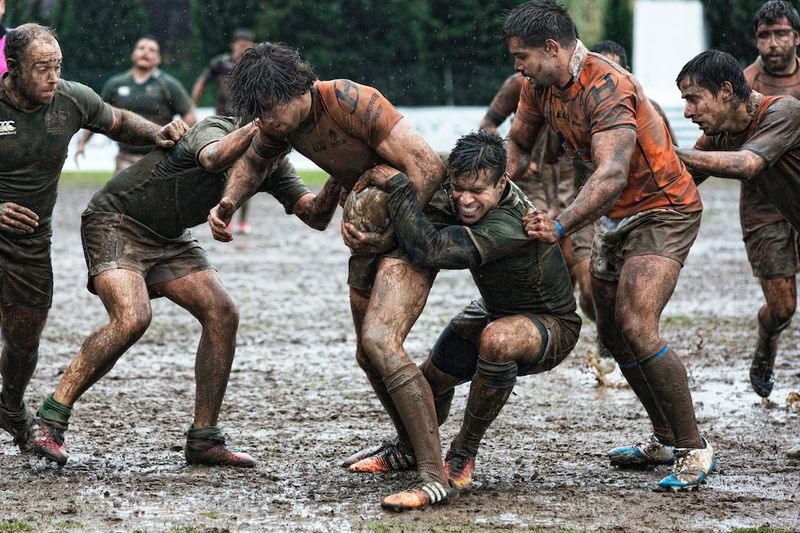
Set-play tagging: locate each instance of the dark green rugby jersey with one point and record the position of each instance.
(158, 99)
(518, 274)
(514, 273)
(168, 191)
(33, 145)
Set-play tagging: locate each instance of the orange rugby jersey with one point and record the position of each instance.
(346, 123)
(602, 98)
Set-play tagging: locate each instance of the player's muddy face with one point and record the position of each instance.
(475, 196)
(146, 54)
(38, 72)
(777, 45)
(704, 108)
(532, 62)
(285, 117)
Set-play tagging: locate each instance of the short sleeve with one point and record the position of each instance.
(185, 154)
(207, 131)
(96, 115)
(611, 103)
(777, 132)
(529, 118)
(362, 111)
(284, 183)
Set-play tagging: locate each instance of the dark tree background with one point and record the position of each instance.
(618, 25)
(418, 52)
(415, 51)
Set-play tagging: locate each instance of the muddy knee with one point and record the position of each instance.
(498, 343)
(132, 323)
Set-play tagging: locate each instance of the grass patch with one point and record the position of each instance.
(14, 526)
(213, 515)
(98, 179)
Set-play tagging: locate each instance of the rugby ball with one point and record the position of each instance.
(367, 210)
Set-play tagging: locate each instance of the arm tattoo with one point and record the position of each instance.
(130, 128)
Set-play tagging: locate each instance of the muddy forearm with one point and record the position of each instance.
(130, 128)
(611, 152)
(517, 160)
(220, 155)
(738, 165)
(317, 212)
(596, 199)
(246, 176)
(426, 246)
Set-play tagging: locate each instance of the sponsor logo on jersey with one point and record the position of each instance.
(8, 127)
(124, 90)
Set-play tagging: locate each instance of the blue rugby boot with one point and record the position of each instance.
(646, 454)
(692, 466)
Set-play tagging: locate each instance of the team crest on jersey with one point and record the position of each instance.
(124, 90)
(8, 127)
(55, 121)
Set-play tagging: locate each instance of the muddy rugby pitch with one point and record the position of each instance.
(299, 403)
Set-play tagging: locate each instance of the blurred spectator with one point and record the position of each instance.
(147, 91)
(219, 70)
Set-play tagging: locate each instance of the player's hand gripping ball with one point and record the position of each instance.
(367, 210)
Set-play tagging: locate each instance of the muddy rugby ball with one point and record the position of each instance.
(367, 210)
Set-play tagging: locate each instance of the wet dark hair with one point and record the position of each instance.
(774, 10)
(612, 47)
(710, 69)
(267, 74)
(18, 39)
(536, 21)
(476, 151)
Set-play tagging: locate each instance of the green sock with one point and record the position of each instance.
(210, 433)
(55, 413)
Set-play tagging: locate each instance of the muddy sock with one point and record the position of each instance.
(413, 400)
(666, 376)
(404, 443)
(633, 374)
(442, 404)
(768, 335)
(204, 438)
(488, 393)
(55, 413)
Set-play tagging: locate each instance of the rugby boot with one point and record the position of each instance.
(692, 466)
(458, 467)
(206, 446)
(18, 422)
(48, 442)
(419, 496)
(646, 454)
(386, 458)
(244, 228)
